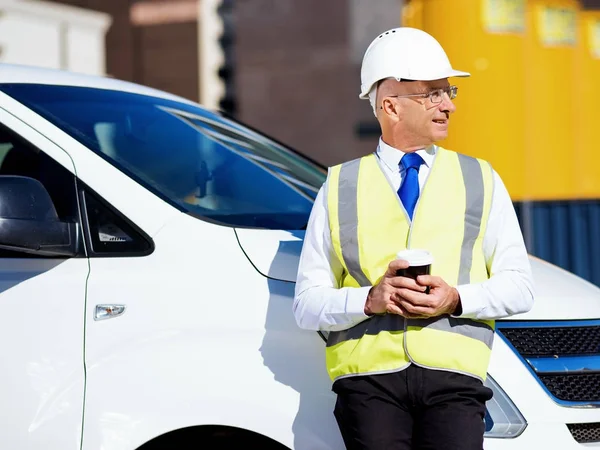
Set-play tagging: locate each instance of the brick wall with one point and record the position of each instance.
(296, 79)
(168, 58)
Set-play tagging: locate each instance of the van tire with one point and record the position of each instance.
(212, 437)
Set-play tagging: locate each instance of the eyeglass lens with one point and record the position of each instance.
(437, 96)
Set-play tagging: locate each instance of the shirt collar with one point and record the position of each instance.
(391, 156)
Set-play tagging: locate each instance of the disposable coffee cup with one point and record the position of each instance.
(420, 264)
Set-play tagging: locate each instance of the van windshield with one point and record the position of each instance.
(199, 161)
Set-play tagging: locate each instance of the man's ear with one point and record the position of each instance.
(389, 108)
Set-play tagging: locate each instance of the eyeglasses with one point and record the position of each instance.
(435, 97)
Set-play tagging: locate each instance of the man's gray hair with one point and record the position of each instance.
(373, 98)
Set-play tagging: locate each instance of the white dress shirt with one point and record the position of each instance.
(320, 303)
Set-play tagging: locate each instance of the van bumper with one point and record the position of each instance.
(540, 436)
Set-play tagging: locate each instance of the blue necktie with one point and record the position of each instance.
(409, 189)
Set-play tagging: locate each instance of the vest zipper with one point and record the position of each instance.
(410, 229)
(404, 340)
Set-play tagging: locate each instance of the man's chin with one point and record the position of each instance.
(439, 136)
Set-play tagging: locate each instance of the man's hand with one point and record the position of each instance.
(442, 298)
(384, 296)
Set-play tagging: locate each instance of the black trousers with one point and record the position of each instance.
(415, 408)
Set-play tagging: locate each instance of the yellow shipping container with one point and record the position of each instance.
(412, 14)
(550, 77)
(487, 39)
(586, 98)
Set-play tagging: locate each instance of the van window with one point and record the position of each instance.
(199, 161)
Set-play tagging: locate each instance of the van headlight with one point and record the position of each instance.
(502, 418)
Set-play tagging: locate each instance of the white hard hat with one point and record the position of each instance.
(404, 53)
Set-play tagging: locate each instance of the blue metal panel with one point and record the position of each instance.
(594, 220)
(579, 238)
(559, 225)
(566, 233)
(542, 241)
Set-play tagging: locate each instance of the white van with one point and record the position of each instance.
(148, 249)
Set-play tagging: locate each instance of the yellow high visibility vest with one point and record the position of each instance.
(369, 225)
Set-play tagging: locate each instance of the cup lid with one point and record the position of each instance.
(416, 257)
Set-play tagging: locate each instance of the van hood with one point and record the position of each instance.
(559, 295)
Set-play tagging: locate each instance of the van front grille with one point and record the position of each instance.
(564, 356)
(550, 341)
(585, 432)
(575, 387)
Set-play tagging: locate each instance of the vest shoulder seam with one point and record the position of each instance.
(351, 161)
(483, 160)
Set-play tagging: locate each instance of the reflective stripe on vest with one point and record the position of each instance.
(369, 225)
(347, 219)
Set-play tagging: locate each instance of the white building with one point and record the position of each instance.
(45, 34)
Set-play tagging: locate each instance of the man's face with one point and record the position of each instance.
(423, 120)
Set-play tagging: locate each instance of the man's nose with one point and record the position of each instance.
(447, 104)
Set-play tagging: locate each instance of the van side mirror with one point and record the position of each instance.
(29, 222)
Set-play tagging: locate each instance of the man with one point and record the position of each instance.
(408, 366)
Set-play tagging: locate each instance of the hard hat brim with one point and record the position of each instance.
(449, 74)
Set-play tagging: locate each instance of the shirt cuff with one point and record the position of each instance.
(470, 300)
(355, 303)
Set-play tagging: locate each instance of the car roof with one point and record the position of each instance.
(14, 73)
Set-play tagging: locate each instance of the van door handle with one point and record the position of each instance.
(104, 312)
